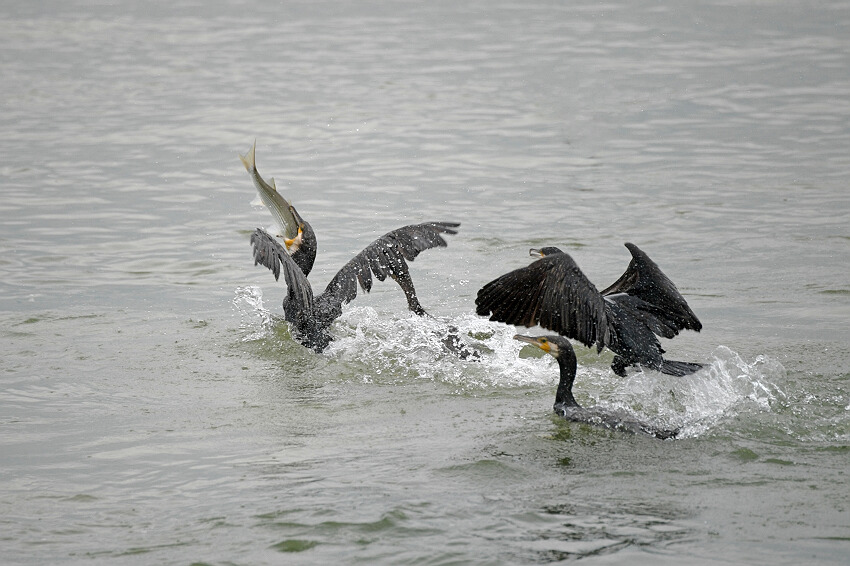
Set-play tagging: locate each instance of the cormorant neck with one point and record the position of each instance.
(306, 254)
(567, 362)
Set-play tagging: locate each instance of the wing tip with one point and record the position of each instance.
(634, 250)
(444, 227)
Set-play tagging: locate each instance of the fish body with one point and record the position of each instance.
(284, 213)
(297, 234)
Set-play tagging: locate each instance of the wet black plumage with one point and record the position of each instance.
(385, 257)
(626, 317)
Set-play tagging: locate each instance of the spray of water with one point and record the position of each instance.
(255, 320)
(397, 348)
(695, 404)
(412, 347)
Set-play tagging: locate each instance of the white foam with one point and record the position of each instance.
(726, 387)
(411, 346)
(393, 347)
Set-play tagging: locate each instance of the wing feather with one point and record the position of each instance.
(661, 305)
(298, 305)
(269, 253)
(553, 293)
(386, 256)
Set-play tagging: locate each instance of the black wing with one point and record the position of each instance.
(386, 256)
(551, 292)
(299, 302)
(652, 297)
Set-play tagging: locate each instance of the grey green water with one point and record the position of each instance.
(154, 409)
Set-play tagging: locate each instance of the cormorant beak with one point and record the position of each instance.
(540, 342)
(534, 252)
(296, 241)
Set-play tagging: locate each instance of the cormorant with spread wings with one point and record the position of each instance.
(387, 256)
(626, 317)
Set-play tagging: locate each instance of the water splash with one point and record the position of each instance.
(255, 320)
(412, 347)
(394, 348)
(730, 386)
(727, 387)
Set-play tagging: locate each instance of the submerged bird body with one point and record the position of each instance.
(565, 403)
(626, 317)
(310, 315)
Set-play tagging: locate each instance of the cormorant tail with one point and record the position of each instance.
(679, 369)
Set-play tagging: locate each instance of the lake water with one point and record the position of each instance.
(154, 409)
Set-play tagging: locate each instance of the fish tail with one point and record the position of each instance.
(249, 160)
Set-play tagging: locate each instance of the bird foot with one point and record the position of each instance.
(455, 345)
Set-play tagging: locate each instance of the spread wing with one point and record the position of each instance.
(386, 256)
(269, 253)
(553, 293)
(652, 297)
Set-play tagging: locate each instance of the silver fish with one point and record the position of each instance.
(288, 220)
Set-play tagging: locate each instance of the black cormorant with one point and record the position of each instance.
(567, 406)
(387, 256)
(553, 293)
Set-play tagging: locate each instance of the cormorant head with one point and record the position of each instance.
(292, 244)
(302, 247)
(549, 344)
(561, 348)
(543, 252)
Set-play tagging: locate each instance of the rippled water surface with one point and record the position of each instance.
(155, 410)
